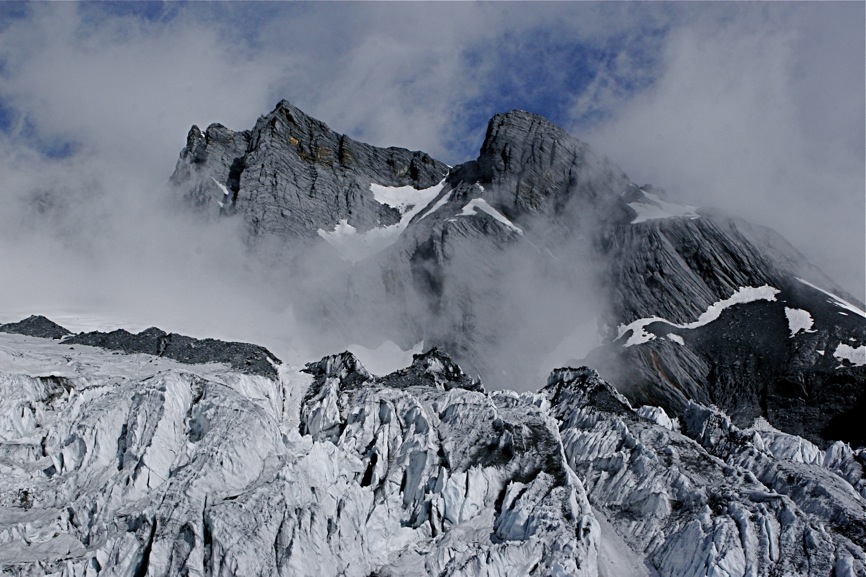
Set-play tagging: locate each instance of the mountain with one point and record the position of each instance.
(291, 174)
(137, 464)
(540, 245)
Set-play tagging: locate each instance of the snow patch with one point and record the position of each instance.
(855, 356)
(676, 338)
(477, 204)
(799, 320)
(655, 208)
(838, 301)
(439, 204)
(223, 188)
(355, 246)
(405, 198)
(743, 295)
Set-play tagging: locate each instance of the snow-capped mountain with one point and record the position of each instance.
(526, 250)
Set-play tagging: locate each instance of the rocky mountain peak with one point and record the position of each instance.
(291, 176)
(691, 305)
(530, 166)
(521, 129)
(578, 387)
(339, 366)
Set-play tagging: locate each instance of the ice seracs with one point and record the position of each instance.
(139, 465)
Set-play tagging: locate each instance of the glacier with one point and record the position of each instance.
(133, 464)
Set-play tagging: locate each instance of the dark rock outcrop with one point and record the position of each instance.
(36, 326)
(243, 357)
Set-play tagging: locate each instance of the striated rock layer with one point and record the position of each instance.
(291, 175)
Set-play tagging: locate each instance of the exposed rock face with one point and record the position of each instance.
(507, 236)
(120, 464)
(753, 359)
(291, 175)
(530, 167)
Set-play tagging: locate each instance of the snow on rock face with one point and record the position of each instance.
(405, 199)
(853, 355)
(477, 204)
(743, 295)
(653, 207)
(355, 246)
(838, 301)
(676, 338)
(799, 320)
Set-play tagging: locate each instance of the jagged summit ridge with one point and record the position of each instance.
(291, 175)
(529, 166)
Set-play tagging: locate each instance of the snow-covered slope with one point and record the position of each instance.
(132, 464)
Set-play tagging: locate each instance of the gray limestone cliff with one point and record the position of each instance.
(291, 175)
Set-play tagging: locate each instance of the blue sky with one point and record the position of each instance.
(753, 108)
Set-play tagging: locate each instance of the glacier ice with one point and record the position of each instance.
(129, 464)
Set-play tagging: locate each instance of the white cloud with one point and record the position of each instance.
(129, 89)
(759, 112)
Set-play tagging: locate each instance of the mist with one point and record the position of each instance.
(760, 115)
